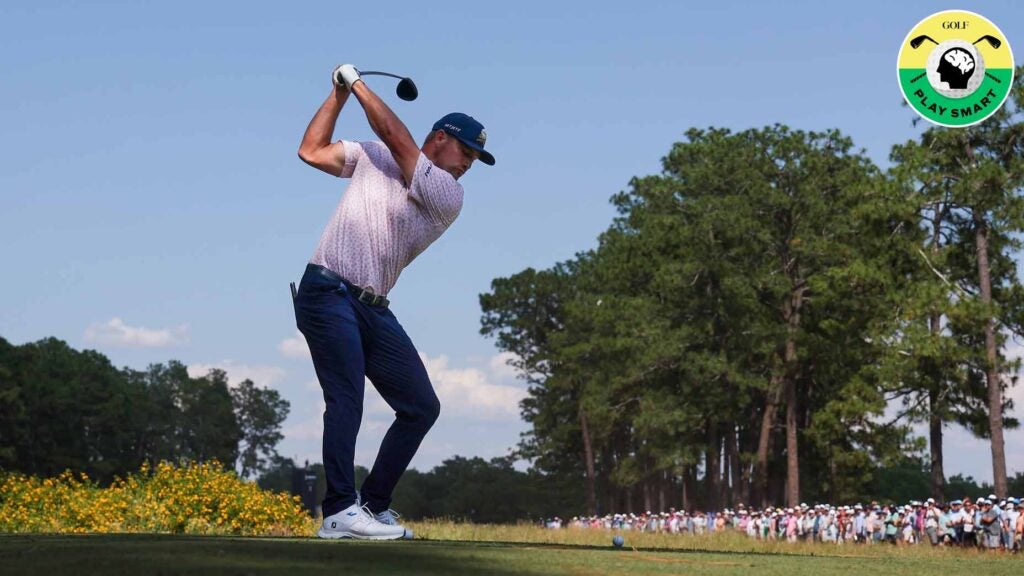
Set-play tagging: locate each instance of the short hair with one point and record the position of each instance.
(431, 135)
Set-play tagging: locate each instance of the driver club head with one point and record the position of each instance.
(406, 90)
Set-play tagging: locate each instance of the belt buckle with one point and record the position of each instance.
(367, 296)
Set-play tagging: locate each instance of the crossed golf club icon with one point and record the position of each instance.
(916, 42)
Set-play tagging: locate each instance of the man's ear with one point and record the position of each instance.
(434, 139)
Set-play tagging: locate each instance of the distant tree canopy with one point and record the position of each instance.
(61, 409)
(753, 315)
(470, 489)
(482, 491)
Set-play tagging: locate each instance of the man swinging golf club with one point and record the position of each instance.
(400, 199)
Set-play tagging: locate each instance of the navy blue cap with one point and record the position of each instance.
(468, 131)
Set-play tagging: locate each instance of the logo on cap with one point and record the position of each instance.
(468, 131)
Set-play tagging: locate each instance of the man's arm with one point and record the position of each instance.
(316, 149)
(390, 129)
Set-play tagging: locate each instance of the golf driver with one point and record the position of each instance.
(406, 89)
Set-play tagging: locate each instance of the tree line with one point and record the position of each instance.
(460, 488)
(768, 318)
(63, 409)
(495, 492)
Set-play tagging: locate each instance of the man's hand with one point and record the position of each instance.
(345, 74)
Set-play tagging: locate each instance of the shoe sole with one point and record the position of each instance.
(407, 535)
(353, 536)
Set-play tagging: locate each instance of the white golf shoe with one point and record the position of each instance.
(357, 522)
(390, 517)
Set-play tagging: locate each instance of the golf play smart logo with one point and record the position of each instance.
(955, 68)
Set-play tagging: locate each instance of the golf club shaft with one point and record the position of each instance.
(373, 73)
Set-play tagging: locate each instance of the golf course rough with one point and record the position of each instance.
(955, 68)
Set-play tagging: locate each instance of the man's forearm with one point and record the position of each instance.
(389, 129)
(382, 119)
(321, 128)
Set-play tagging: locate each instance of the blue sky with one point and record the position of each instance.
(154, 208)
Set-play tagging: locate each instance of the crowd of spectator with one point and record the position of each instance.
(988, 523)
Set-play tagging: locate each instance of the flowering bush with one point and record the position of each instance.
(191, 499)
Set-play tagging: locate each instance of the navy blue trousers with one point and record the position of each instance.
(351, 341)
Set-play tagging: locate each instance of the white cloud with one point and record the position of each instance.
(310, 426)
(479, 414)
(294, 347)
(500, 368)
(467, 392)
(116, 333)
(307, 430)
(374, 404)
(470, 392)
(264, 376)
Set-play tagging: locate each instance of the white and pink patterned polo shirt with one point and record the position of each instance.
(380, 225)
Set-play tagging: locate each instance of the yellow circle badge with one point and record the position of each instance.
(955, 68)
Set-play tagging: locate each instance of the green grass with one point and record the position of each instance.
(446, 548)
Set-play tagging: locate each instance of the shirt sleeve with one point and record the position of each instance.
(353, 154)
(436, 191)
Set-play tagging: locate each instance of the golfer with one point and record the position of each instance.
(400, 199)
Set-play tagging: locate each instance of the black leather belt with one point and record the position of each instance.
(363, 295)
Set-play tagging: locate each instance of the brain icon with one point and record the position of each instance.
(961, 59)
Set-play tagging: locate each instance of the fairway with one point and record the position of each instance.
(164, 554)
